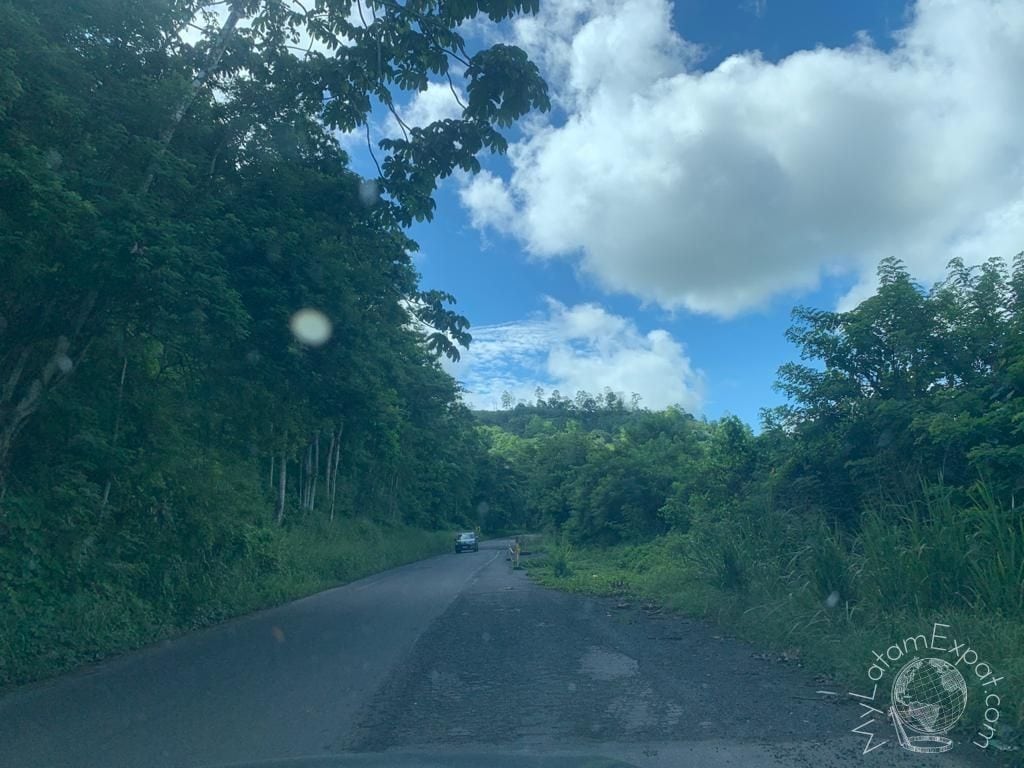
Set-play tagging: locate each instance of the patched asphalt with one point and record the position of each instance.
(456, 660)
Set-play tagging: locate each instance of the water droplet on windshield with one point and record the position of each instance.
(311, 327)
(369, 192)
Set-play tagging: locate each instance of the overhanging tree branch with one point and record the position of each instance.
(227, 31)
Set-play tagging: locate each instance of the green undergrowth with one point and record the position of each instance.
(45, 634)
(791, 616)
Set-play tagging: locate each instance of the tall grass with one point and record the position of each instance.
(997, 568)
(561, 555)
(937, 554)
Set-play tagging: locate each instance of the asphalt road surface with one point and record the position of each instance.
(452, 661)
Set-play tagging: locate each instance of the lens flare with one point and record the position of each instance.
(311, 327)
(369, 192)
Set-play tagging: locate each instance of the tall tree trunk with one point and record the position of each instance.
(14, 418)
(282, 484)
(334, 472)
(392, 502)
(117, 430)
(15, 409)
(310, 470)
(202, 76)
(330, 465)
(316, 471)
(309, 476)
(304, 494)
(270, 478)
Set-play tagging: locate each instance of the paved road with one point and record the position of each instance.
(451, 661)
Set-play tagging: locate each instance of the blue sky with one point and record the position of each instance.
(708, 165)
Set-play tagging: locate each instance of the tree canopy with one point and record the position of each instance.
(175, 209)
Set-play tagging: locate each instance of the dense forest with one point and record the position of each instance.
(219, 375)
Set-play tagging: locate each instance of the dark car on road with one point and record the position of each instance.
(465, 541)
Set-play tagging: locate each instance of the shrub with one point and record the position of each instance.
(561, 554)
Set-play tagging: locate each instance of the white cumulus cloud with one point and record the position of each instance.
(583, 347)
(436, 103)
(717, 190)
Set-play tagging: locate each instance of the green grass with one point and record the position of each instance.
(45, 634)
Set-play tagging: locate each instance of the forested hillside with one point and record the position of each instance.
(884, 496)
(219, 376)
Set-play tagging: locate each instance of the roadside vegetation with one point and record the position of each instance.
(886, 496)
(220, 380)
(273, 565)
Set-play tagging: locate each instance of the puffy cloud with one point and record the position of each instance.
(488, 201)
(436, 103)
(573, 348)
(717, 190)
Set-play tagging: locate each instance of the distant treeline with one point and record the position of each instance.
(606, 412)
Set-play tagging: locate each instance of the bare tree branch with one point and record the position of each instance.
(201, 78)
(370, 147)
(451, 85)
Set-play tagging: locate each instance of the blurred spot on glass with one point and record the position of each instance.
(311, 327)
(369, 192)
